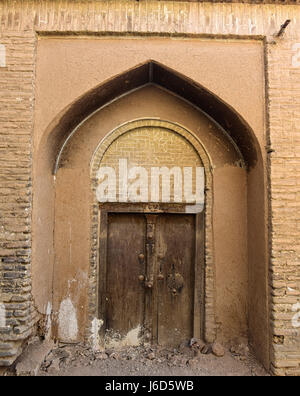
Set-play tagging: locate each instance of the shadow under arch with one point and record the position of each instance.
(153, 73)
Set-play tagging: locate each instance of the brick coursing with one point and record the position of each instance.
(284, 111)
(21, 21)
(16, 123)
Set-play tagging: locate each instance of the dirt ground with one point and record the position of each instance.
(79, 360)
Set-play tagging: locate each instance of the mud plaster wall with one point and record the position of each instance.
(67, 68)
(72, 204)
(20, 20)
(64, 60)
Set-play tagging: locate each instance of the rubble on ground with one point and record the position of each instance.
(189, 355)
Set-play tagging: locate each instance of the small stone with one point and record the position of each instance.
(196, 346)
(61, 353)
(151, 356)
(32, 359)
(239, 350)
(206, 349)
(102, 356)
(218, 350)
(197, 343)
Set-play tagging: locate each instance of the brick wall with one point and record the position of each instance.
(16, 123)
(284, 113)
(19, 22)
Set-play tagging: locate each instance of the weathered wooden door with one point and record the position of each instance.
(150, 276)
(125, 295)
(175, 285)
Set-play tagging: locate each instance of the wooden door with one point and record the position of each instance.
(175, 274)
(125, 294)
(150, 276)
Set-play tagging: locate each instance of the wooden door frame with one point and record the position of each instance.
(156, 208)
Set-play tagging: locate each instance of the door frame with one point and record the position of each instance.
(156, 208)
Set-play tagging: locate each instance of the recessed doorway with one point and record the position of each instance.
(151, 274)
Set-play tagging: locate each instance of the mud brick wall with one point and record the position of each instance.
(284, 113)
(16, 123)
(20, 24)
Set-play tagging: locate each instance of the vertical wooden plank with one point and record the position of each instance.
(176, 290)
(199, 302)
(125, 294)
(102, 270)
(150, 285)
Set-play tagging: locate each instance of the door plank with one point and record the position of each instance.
(168, 250)
(151, 291)
(176, 258)
(125, 293)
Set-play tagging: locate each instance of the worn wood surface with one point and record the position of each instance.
(151, 274)
(125, 294)
(176, 247)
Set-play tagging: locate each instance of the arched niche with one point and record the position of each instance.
(237, 168)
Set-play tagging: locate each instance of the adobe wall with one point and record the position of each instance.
(73, 201)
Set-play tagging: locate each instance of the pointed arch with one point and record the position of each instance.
(47, 219)
(152, 73)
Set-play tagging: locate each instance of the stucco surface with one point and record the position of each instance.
(68, 68)
(72, 243)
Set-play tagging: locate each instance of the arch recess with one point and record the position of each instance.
(47, 188)
(209, 326)
(153, 123)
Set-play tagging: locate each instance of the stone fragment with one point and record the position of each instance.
(218, 350)
(239, 350)
(207, 349)
(196, 346)
(31, 360)
(102, 356)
